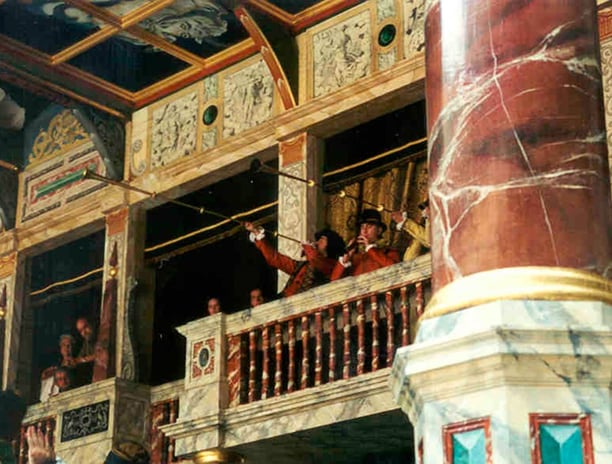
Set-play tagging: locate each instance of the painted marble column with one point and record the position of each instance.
(517, 141)
(297, 202)
(513, 357)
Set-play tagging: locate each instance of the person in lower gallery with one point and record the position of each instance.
(365, 253)
(256, 297)
(419, 232)
(213, 306)
(86, 331)
(67, 362)
(303, 275)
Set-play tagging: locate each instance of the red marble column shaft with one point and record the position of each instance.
(517, 146)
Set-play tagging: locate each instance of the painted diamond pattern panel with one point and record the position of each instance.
(469, 447)
(561, 444)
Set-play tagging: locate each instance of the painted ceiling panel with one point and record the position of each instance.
(127, 64)
(46, 29)
(133, 44)
(294, 6)
(200, 26)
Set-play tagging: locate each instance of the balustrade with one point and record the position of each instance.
(302, 350)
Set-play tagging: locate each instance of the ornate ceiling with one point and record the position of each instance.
(119, 55)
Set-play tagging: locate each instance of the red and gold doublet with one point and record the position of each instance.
(373, 259)
(304, 275)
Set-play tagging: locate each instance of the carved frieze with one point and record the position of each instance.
(248, 98)
(173, 131)
(342, 54)
(84, 421)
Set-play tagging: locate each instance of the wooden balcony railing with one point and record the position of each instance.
(338, 341)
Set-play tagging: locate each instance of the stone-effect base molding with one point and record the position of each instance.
(504, 361)
(128, 418)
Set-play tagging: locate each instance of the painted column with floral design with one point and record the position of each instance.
(297, 201)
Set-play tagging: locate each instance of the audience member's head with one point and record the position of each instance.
(213, 306)
(84, 328)
(66, 343)
(12, 408)
(127, 452)
(329, 243)
(61, 379)
(256, 297)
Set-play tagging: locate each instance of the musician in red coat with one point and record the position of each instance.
(364, 254)
(320, 260)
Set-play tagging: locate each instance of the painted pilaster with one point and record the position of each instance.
(297, 201)
(10, 318)
(124, 230)
(200, 420)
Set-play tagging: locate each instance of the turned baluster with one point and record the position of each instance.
(419, 299)
(305, 363)
(291, 380)
(278, 359)
(265, 377)
(390, 327)
(332, 344)
(252, 355)
(173, 406)
(346, 321)
(318, 348)
(405, 317)
(360, 337)
(375, 332)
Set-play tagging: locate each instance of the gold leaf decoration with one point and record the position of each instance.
(63, 134)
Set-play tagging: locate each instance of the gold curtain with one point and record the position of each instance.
(401, 187)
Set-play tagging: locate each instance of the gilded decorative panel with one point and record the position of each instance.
(173, 130)
(63, 133)
(342, 54)
(414, 27)
(59, 181)
(84, 421)
(248, 98)
(202, 358)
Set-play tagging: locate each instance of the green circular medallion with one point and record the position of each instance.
(386, 35)
(210, 114)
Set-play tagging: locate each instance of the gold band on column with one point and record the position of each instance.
(218, 456)
(519, 283)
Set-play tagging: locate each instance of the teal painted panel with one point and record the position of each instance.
(561, 444)
(469, 447)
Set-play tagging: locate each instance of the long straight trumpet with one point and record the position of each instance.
(87, 174)
(257, 166)
(9, 166)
